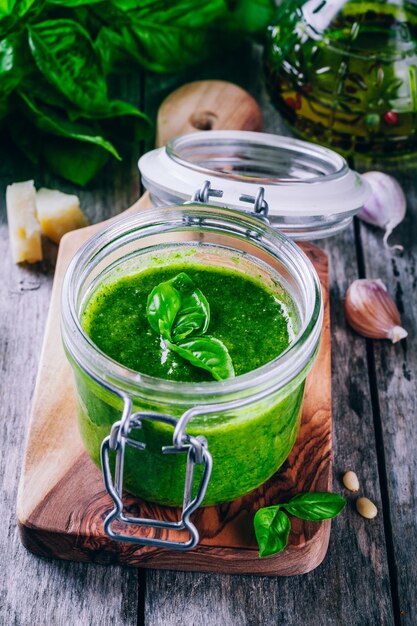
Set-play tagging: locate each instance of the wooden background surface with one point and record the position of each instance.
(369, 575)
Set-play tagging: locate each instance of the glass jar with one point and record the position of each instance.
(188, 444)
(344, 73)
(250, 422)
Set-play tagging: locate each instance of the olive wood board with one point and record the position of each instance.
(61, 499)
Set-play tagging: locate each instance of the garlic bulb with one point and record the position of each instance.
(371, 311)
(387, 205)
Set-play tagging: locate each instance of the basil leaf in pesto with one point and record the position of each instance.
(193, 317)
(315, 506)
(208, 353)
(164, 302)
(272, 529)
(177, 309)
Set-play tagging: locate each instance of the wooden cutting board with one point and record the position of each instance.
(61, 499)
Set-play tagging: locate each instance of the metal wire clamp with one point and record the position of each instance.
(197, 454)
(260, 205)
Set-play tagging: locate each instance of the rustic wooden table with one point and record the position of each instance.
(370, 573)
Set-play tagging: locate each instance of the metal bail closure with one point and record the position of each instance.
(203, 194)
(197, 453)
(260, 205)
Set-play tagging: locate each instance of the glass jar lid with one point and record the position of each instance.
(310, 190)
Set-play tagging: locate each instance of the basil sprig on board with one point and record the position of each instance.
(180, 313)
(272, 526)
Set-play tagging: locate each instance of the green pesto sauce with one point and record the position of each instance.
(244, 314)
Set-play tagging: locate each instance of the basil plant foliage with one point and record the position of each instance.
(56, 58)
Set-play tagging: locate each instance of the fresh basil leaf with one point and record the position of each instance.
(272, 529)
(161, 36)
(65, 55)
(115, 108)
(75, 161)
(315, 506)
(4, 108)
(127, 118)
(14, 12)
(73, 3)
(166, 47)
(208, 353)
(120, 119)
(162, 307)
(250, 16)
(26, 137)
(193, 317)
(183, 13)
(11, 64)
(47, 120)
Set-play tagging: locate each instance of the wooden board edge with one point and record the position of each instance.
(212, 559)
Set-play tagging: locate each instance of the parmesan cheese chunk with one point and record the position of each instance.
(24, 229)
(58, 213)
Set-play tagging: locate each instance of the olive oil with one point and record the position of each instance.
(346, 76)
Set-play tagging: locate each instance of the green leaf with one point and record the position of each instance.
(14, 13)
(73, 3)
(161, 36)
(73, 160)
(11, 71)
(4, 108)
(315, 506)
(26, 137)
(162, 307)
(208, 353)
(64, 53)
(157, 47)
(15, 64)
(47, 120)
(272, 529)
(250, 16)
(121, 118)
(193, 317)
(177, 309)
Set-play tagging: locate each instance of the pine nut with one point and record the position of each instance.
(366, 508)
(350, 481)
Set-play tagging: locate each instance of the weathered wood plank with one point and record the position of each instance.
(352, 586)
(38, 591)
(395, 402)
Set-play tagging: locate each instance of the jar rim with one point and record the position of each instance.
(324, 163)
(273, 375)
(310, 189)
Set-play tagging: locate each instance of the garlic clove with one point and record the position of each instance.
(397, 333)
(371, 311)
(387, 205)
